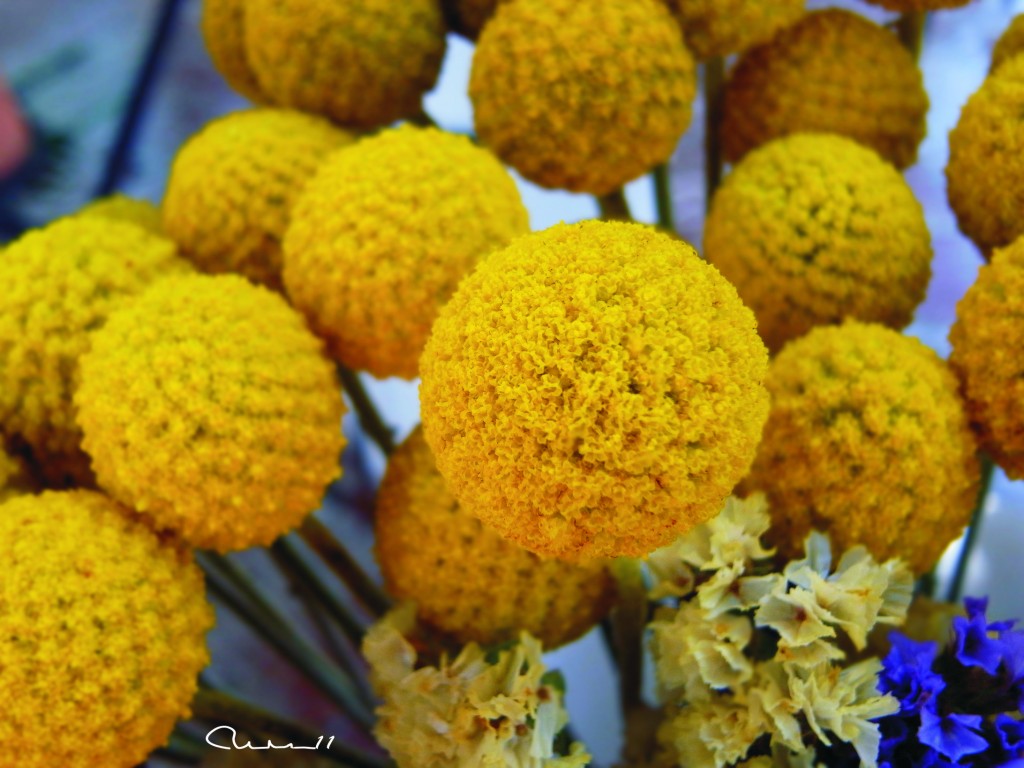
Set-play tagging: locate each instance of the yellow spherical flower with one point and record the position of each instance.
(13, 481)
(1010, 42)
(142, 213)
(909, 6)
(233, 184)
(986, 339)
(464, 578)
(384, 232)
(223, 25)
(593, 390)
(831, 72)
(985, 173)
(720, 27)
(207, 406)
(363, 63)
(102, 633)
(867, 441)
(60, 283)
(814, 228)
(582, 96)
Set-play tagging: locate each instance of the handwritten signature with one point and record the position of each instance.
(270, 744)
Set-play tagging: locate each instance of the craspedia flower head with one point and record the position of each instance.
(464, 578)
(593, 390)
(814, 228)
(985, 172)
(582, 96)
(208, 407)
(13, 480)
(384, 232)
(867, 440)
(60, 283)
(122, 208)
(986, 339)
(717, 28)
(223, 25)
(363, 64)
(232, 187)
(1010, 42)
(831, 72)
(102, 634)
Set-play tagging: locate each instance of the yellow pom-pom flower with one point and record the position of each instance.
(814, 228)
(867, 441)
(1010, 42)
(232, 187)
(208, 406)
(142, 213)
(582, 96)
(384, 232)
(464, 578)
(223, 25)
(987, 338)
(985, 173)
(720, 27)
(910, 6)
(60, 283)
(362, 63)
(831, 72)
(594, 390)
(12, 476)
(102, 633)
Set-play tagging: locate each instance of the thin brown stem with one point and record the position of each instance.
(322, 541)
(714, 80)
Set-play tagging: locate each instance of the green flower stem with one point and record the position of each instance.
(971, 539)
(910, 29)
(232, 586)
(180, 749)
(369, 418)
(223, 709)
(663, 196)
(320, 539)
(614, 206)
(714, 79)
(423, 119)
(628, 620)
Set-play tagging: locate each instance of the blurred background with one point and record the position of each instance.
(97, 95)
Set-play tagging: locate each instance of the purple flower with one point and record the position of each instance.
(973, 645)
(1011, 735)
(952, 735)
(907, 673)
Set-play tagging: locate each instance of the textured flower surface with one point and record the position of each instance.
(867, 441)
(593, 390)
(832, 72)
(478, 710)
(59, 284)
(208, 406)
(720, 27)
(233, 184)
(223, 25)
(815, 228)
(13, 481)
(907, 6)
(382, 235)
(362, 63)
(987, 339)
(582, 96)
(102, 629)
(142, 213)
(464, 578)
(985, 172)
(1010, 42)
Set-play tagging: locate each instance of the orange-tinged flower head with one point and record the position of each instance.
(720, 27)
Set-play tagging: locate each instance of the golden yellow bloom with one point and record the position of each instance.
(207, 406)
(13, 481)
(362, 63)
(60, 283)
(582, 96)
(985, 173)
(1010, 42)
(593, 390)
(233, 184)
(223, 26)
(867, 441)
(720, 27)
(987, 339)
(102, 633)
(831, 72)
(907, 6)
(814, 228)
(383, 234)
(142, 213)
(464, 578)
